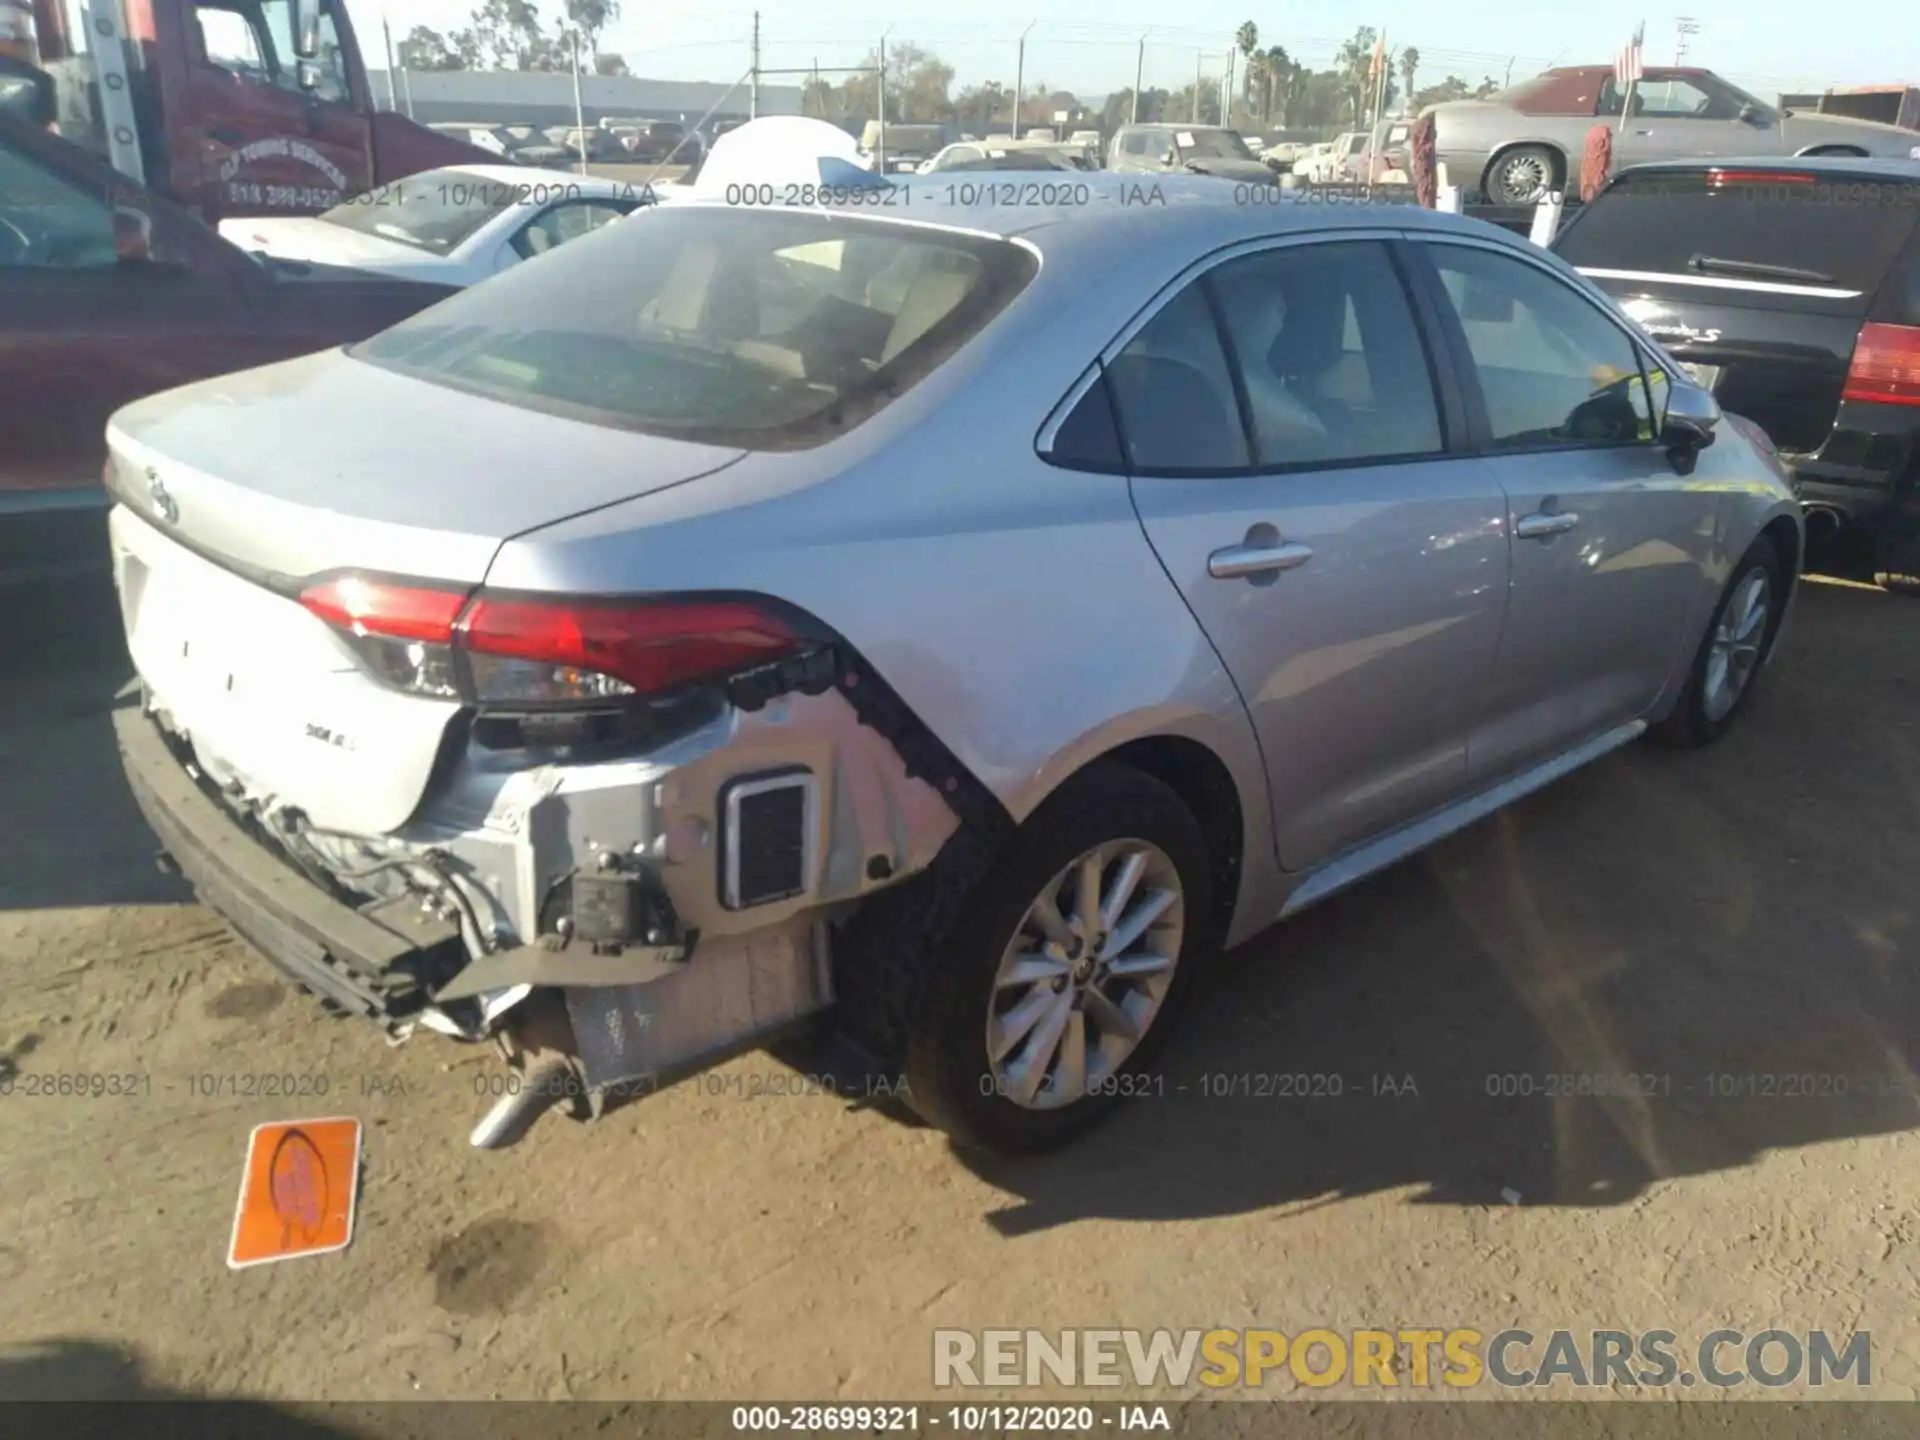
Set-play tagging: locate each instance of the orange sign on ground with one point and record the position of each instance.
(298, 1192)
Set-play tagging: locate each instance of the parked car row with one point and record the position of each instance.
(611, 141)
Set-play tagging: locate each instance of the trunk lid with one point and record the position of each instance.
(1759, 278)
(235, 491)
(328, 462)
(320, 243)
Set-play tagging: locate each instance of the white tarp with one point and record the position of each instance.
(782, 151)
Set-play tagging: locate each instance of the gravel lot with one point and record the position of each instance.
(1746, 911)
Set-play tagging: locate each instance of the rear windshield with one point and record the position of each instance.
(434, 211)
(762, 329)
(1843, 233)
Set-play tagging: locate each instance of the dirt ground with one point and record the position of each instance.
(1745, 911)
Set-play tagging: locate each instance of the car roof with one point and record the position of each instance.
(1191, 213)
(1848, 165)
(517, 175)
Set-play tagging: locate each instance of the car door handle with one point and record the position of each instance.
(1539, 526)
(1237, 561)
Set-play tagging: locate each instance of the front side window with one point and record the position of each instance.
(1329, 355)
(254, 42)
(1676, 99)
(766, 330)
(47, 223)
(1553, 369)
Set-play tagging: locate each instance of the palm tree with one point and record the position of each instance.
(1409, 67)
(1247, 38)
(1276, 68)
(1356, 55)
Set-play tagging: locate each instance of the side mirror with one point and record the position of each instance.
(306, 34)
(1691, 418)
(132, 235)
(1750, 113)
(307, 72)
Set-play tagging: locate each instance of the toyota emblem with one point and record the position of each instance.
(163, 505)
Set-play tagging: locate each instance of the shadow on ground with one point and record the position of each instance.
(75, 837)
(96, 1381)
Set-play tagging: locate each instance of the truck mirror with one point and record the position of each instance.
(306, 35)
(308, 74)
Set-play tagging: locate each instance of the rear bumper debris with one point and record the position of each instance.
(380, 963)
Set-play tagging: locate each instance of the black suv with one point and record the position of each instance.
(1791, 289)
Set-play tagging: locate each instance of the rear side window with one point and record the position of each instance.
(1771, 229)
(762, 329)
(1328, 354)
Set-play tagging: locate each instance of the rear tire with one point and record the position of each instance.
(1524, 175)
(1733, 652)
(1053, 1009)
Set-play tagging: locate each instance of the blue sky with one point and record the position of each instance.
(1766, 45)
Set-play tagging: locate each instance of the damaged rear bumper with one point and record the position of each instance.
(380, 963)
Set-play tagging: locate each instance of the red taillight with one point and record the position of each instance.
(1886, 366)
(544, 651)
(380, 607)
(1758, 177)
(649, 645)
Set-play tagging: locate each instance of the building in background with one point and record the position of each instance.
(519, 97)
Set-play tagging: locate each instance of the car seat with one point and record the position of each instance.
(1173, 417)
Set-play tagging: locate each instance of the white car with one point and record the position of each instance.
(454, 226)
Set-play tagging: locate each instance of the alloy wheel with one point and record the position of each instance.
(1737, 637)
(1085, 974)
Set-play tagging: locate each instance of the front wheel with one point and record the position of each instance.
(1057, 989)
(1736, 646)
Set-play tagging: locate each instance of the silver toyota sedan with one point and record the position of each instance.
(962, 621)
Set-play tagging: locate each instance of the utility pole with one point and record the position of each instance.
(393, 95)
(1509, 80)
(1685, 26)
(880, 98)
(1020, 77)
(1196, 87)
(1139, 72)
(1226, 87)
(753, 85)
(579, 110)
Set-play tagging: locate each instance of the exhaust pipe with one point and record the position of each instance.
(1823, 523)
(546, 1073)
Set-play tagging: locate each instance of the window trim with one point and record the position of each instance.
(1464, 368)
(1451, 411)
